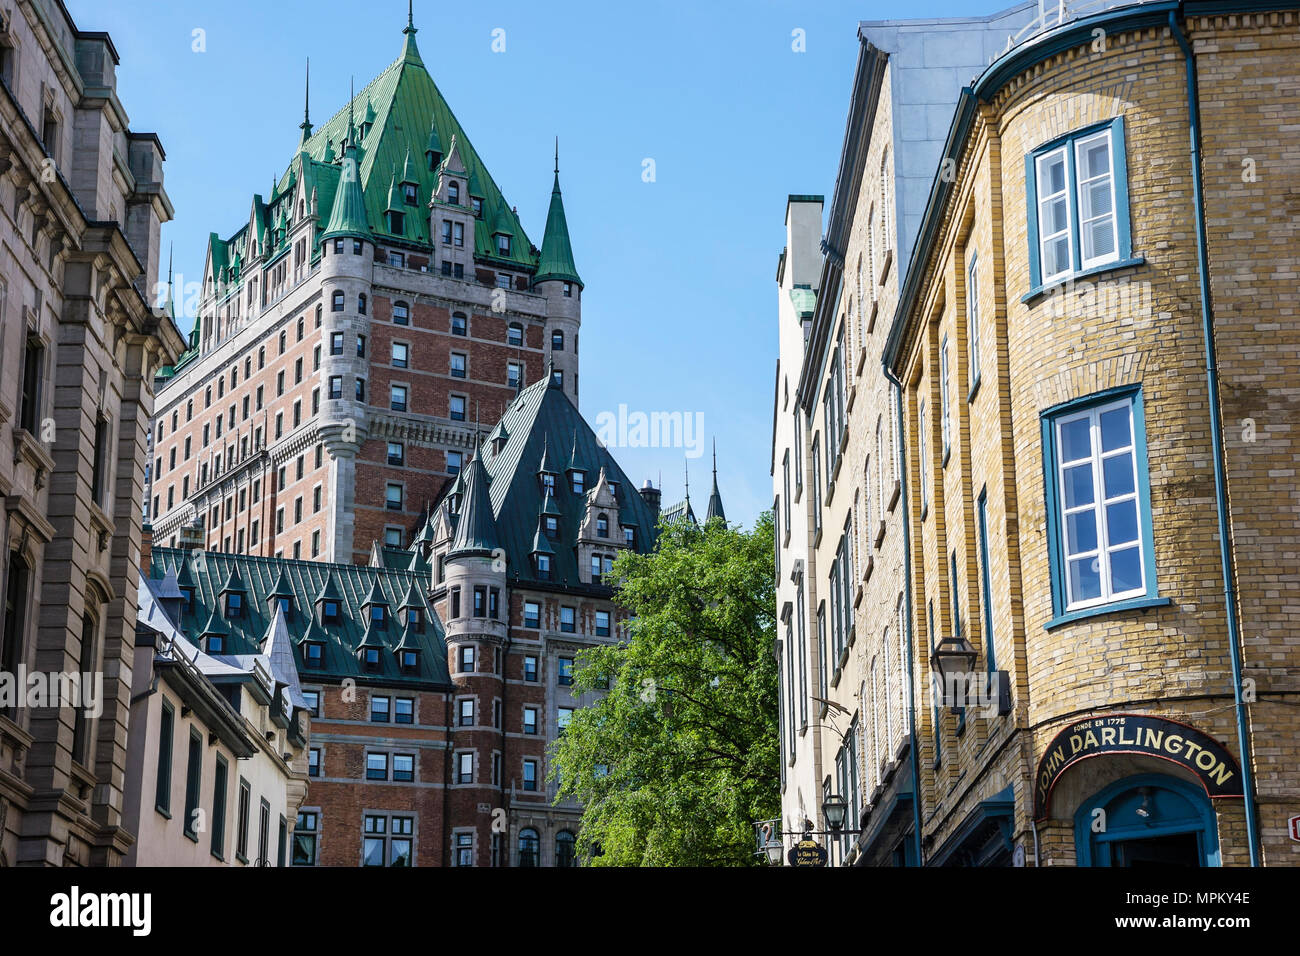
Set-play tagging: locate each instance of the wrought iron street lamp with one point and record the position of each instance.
(953, 660)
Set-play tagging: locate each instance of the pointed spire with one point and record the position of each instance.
(306, 105)
(715, 499)
(410, 52)
(169, 305)
(409, 175)
(476, 531)
(348, 217)
(556, 259)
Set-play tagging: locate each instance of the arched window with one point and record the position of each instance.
(337, 302)
(530, 847)
(564, 849)
(361, 304)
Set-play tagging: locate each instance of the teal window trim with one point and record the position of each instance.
(990, 658)
(974, 335)
(166, 740)
(1055, 533)
(1123, 230)
(945, 402)
(1093, 849)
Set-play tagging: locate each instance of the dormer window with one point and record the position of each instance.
(543, 563)
(409, 194)
(602, 526)
(435, 158)
(629, 537)
(234, 605)
(379, 616)
(548, 484)
(503, 244)
(415, 619)
(477, 204)
(568, 290)
(453, 193)
(313, 655)
(214, 644)
(409, 661)
(286, 604)
(579, 481)
(396, 222)
(371, 659)
(552, 527)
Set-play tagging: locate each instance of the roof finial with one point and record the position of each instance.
(557, 155)
(170, 249)
(715, 461)
(352, 95)
(687, 465)
(410, 17)
(306, 104)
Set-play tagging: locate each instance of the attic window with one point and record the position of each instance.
(396, 222)
(503, 245)
(548, 484)
(453, 193)
(414, 619)
(379, 616)
(409, 194)
(286, 604)
(234, 605)
(214, 644)
(602, 526)
(579, 481)
(629, 537)
(313, 655)
(478, 206)
(371, 659)
(329, 612)
(435, 158)
(543, 562)
(552, 527)
(410, 661)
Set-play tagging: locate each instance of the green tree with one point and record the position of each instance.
(679, 758)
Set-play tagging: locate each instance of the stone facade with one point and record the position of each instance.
(989, 468)
(83, 200)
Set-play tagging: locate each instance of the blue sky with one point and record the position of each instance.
(680, 300)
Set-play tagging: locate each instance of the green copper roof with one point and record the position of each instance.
(556, 260)
(476, 531)
(409, 114)
(349, 585)
(348, 217)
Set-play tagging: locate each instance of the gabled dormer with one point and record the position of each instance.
(185, 581)
(375, 608)
(503, 232)
(407, 652)
(329, 603)
(371, 648)
(215, 634)
(543, 555)
(453, 179)
(499, 439)
(312, 646)
(574, 472)
(281, 595)
(395, 211)
(433, 151)
(546, 473)
(600, 515)
(410, 182)
(234, 596)
(551, 515)
(413, 610)
(367, 120)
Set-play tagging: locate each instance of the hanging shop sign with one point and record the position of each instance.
(1209, 760)
(807, 853)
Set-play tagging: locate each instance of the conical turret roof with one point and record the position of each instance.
(476, 531)
(556, 261)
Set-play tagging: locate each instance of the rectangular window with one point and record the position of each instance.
(986, 605)
(398, 397)
(403, 768)
(393, 496)
(457, 408)
(530, 720)
(602, 624)
(401, 355)
(313, 762)
(530, 669)
(564, 676)
(923, 457)
(166, 735)
(562, 719)
(973, 322)
(376, 766)
(305, 835)
(465, 768)
(457, 365)
(193, 781)
(404, 710)
(379, 710)
(465, 714)
(245, 809)
(219, 808)
(530, 775)
(1099, 510)
(1078, 203)
(567, 620)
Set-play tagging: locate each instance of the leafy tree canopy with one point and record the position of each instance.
(679, 758)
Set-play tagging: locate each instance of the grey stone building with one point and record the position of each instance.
(81, 203)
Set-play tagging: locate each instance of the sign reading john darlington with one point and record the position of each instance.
(1169, 740)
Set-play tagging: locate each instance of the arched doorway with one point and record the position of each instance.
(1147, 820)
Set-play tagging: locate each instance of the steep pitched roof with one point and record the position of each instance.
(540, 419)
(556, 259)
(476, 531)
(350, 585)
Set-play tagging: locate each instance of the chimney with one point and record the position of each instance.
(651, 495)
(146, 549)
